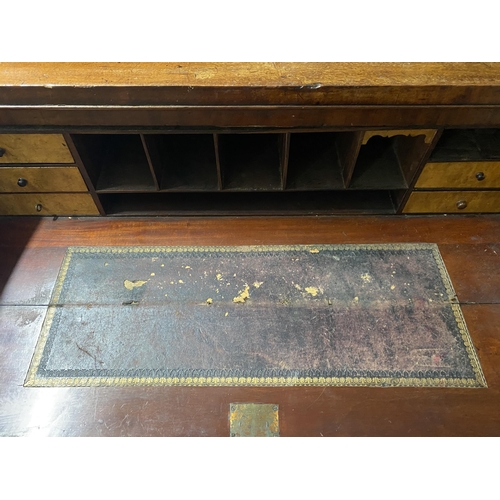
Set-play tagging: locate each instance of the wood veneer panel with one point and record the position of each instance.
(41, 179)
(447, 202)
(34, 148)
(48, 204)
(459, 175)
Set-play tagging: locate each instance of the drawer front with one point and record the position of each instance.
(47, 204)
(41, 180)
(34, 148)
(422, 202)
(474, 174)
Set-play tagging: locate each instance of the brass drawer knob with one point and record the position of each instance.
(461, 204)
(22, 182)
(38, 207)
(480, 176)
(2, 152)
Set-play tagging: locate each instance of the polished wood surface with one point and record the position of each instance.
(251, 83)
(460, 175)
(41, 179)
(34, 148)
(32, 250)
(212, 116)
(47, 204)
(421, 202)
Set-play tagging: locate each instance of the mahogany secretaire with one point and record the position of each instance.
(249, 138)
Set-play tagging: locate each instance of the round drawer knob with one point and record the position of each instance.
(22, 182)
(461, 204)
(38, 207)
(480, 176)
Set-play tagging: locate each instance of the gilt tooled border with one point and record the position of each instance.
(33, 380)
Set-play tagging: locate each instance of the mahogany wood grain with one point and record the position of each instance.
(250, 83)
(212, 118)
(32, 250)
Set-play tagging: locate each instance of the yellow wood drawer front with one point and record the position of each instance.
(422, 202)
(460, 175)
(34, 148)
(41, 180)
(49, 204)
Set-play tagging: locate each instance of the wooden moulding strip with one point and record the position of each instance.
(220, 117)
(428, 133)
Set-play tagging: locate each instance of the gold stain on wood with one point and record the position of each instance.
(253, 420)
(243, 295)
(130, 285)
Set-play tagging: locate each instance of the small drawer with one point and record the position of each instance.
(41, 180)
(34, 148)
(474, 174)
(424, 202)
(47, 204)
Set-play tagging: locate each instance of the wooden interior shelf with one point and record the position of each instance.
(467, 145)
(251, 162)
(250, 203)
(378, 165)
(313, 162)
(183, 162)
(116, 162)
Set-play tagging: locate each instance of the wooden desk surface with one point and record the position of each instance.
(249, 83)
